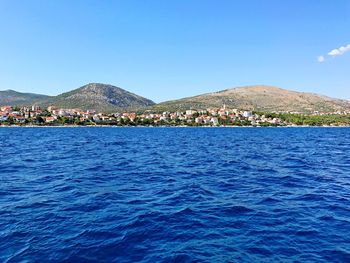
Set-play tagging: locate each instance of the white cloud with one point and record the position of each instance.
(339, 51)
(335, 52)
(320, 58)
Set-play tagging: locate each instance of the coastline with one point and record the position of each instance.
(184, 126)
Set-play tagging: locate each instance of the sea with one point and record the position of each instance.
(174, 194)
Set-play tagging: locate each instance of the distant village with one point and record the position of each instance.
(51, 116)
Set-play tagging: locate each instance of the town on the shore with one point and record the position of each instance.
(52, 116)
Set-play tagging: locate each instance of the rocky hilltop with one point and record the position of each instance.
(100, 97)
(260, 98)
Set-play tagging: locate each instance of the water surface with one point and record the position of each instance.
(175, 194)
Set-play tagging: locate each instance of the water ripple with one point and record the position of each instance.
(175, 195)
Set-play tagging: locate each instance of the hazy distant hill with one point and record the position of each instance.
(100, 97)
(14, 98)
(262, 98)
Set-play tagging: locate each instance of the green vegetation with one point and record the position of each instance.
(311, 120)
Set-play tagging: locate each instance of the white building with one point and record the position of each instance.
(190, 112)
(247, 114)
(214, 121)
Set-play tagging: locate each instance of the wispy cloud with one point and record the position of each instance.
(335, 52)
(320, 58)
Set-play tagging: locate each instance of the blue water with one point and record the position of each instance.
(175, 195)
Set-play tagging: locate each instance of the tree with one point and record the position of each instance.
(121, 121)
(40, 120)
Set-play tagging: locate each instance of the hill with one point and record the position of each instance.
(108, 98)
(14, 98)
(100, 97)
(259, 98)
(93, 96)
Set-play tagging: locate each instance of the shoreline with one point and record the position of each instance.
(184, 126)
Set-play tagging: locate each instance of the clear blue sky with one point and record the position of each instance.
(166, 49)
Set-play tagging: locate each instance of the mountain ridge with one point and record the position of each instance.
(107, 98)
(15, 98)
(92, 96)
